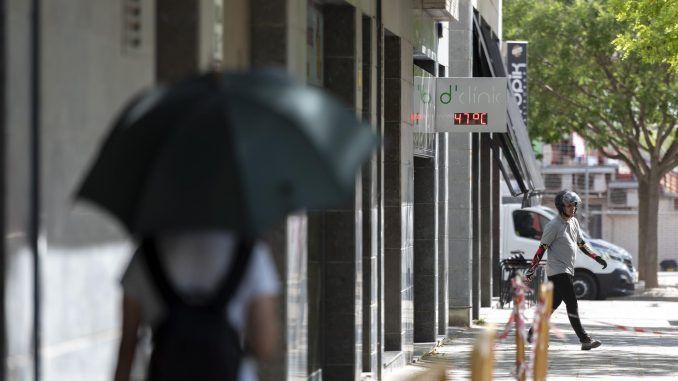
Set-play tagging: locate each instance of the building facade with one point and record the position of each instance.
(366, 286)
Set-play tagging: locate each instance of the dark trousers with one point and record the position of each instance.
(563, 291)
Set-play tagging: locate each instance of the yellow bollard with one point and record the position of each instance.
(541, 350)
(518, 297)
(482, 358)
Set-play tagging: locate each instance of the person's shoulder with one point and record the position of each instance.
(557, 221)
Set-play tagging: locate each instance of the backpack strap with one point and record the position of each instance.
(225, 289)
(230, 284)
(162, 283)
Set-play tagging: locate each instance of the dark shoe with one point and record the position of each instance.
(590, 344)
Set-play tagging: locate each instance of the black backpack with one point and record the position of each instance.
(195, 342)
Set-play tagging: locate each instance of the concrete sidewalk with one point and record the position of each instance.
(624, 355)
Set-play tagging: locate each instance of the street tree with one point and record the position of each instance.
(578, 82)
(652, 31)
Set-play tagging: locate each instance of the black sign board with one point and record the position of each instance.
(516, 66)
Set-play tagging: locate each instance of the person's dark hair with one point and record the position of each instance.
(565, 197)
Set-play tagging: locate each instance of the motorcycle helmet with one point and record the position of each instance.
(566, 197)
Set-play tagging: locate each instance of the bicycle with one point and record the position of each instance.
(518, 265)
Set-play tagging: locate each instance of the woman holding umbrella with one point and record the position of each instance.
(196, 172)
(195, 262)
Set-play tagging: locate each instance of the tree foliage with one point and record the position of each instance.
(652, 32)
(579, 81)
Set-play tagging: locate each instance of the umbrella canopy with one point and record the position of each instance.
(237, 151)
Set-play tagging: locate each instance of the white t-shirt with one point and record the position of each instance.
(195, 263)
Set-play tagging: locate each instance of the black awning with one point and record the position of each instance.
(516, 146)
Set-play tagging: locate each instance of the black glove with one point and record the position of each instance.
(602, 262)
(529, 274)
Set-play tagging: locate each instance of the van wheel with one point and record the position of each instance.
(585, 286)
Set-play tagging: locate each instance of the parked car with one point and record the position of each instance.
(521, 232)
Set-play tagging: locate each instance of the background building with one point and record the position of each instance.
(610, 195)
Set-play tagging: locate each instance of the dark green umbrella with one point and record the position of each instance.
(237, 151)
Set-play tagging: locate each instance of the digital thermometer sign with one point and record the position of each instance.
(470, 118)
(477, 104)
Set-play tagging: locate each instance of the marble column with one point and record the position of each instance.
(425, 250)
(398, 196)
(443, 231)
(486, 239)
(370, 206)
(460, 207)
(335, 235)
(271, 27)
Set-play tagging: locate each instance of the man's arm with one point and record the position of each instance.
(538, 255)
(587, 250)
(535, 261)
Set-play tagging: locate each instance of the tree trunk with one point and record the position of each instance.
(647, 227)
(642, 225)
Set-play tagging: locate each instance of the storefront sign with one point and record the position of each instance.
(423, 107)
(459, 104)
(471, 105)
(516, 64)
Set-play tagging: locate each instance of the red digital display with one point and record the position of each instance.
(470, 118)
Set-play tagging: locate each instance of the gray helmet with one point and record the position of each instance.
(566, 197)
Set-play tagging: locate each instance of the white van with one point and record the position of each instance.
(521, 230)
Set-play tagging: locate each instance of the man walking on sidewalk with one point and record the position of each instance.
(562, 237)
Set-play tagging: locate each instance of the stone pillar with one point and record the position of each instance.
(177, 33)
(392, 196)
(370, 183)
(335, 235)
(270, 26)
(459, 151)
(443, 231)
(398, 196)
(475, 221)
(496, 234)
(486, 241)
(236, 47)
(269, 33)
(425, 250)
(379, 109)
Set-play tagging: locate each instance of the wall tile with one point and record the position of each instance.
(340, 236)
(424, 221)
(340, 78)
